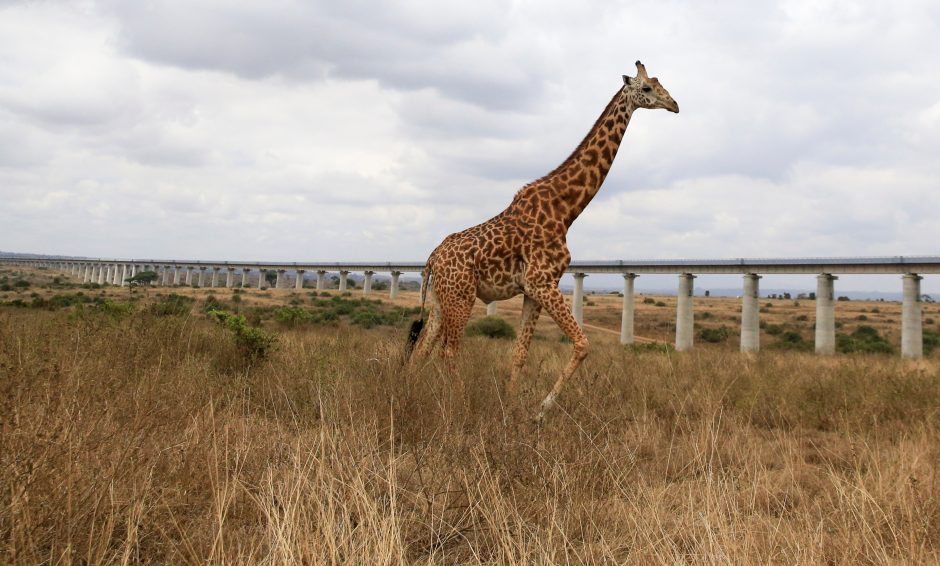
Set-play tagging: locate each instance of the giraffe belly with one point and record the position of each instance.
(487, 292)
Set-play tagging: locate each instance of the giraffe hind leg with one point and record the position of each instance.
(456, 315)
(429, 335)
(530, 315)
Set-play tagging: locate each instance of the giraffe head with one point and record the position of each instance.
(646, 92)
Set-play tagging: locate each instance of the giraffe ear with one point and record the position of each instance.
(626, 80)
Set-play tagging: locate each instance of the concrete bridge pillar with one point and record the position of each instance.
(577, 299)
(230, 278)
(177, 275)
(124, 275)
(279, 282)
(626, 318)
(261, 274)
(912, 332)
(393, 287)
(491, 308)
(245, 271)
(133, 269)
(189, 275)
(215, 276)
(117, 279)
(87, 275)
(321, 279)
(750, 313)
(100, 273)
(825, 314)
(685, 317)
(342, 281)
(299, 281)
(367, 282)
(202, 276)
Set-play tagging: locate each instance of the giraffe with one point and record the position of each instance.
(523, 249)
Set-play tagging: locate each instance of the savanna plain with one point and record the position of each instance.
(230, 426)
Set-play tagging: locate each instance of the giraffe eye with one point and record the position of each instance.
(647, 89)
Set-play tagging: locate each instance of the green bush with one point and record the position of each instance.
(660, 347)
(931, 341)
(791, 340)
(715, 335)
(649, 301)
(212, 303)
(861, 317)
(171, 305)
(802, 318)
(114, 309)
(863, 339)
(773, 329)
(491, 327)
(254, 343)
(293, 316)
(660, 304)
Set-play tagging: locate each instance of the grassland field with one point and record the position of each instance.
(137, 429)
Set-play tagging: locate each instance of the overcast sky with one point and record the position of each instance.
(305, 131)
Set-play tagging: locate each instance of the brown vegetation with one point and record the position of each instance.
(139, 436)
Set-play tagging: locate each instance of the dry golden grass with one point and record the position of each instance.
(148, 440)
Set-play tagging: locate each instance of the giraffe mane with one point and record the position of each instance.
(580, 146)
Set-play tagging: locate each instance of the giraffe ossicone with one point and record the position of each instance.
(523, 250)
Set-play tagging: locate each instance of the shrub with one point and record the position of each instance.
(791, 340)
(931, 341)
(491, 327)
(171, 305)
(715, 335)
(706, 315)
(212, 303)
(293, 316)
(802, 318)
(876, 310)
(114, 309)
(660, 304)
(660, 347)
(254, 343)
(774, 329)
(861, 317)
(863, 339)
(649, 301)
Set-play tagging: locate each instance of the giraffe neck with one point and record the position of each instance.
(575, 182)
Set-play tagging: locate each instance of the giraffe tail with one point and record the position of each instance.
(418, 325)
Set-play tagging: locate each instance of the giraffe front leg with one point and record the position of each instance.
(551, 299)
(530, 315)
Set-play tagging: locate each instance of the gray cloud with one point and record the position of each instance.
(286, 130)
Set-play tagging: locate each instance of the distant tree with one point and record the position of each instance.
(380, 285)
(142, 278)
(270, 277)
